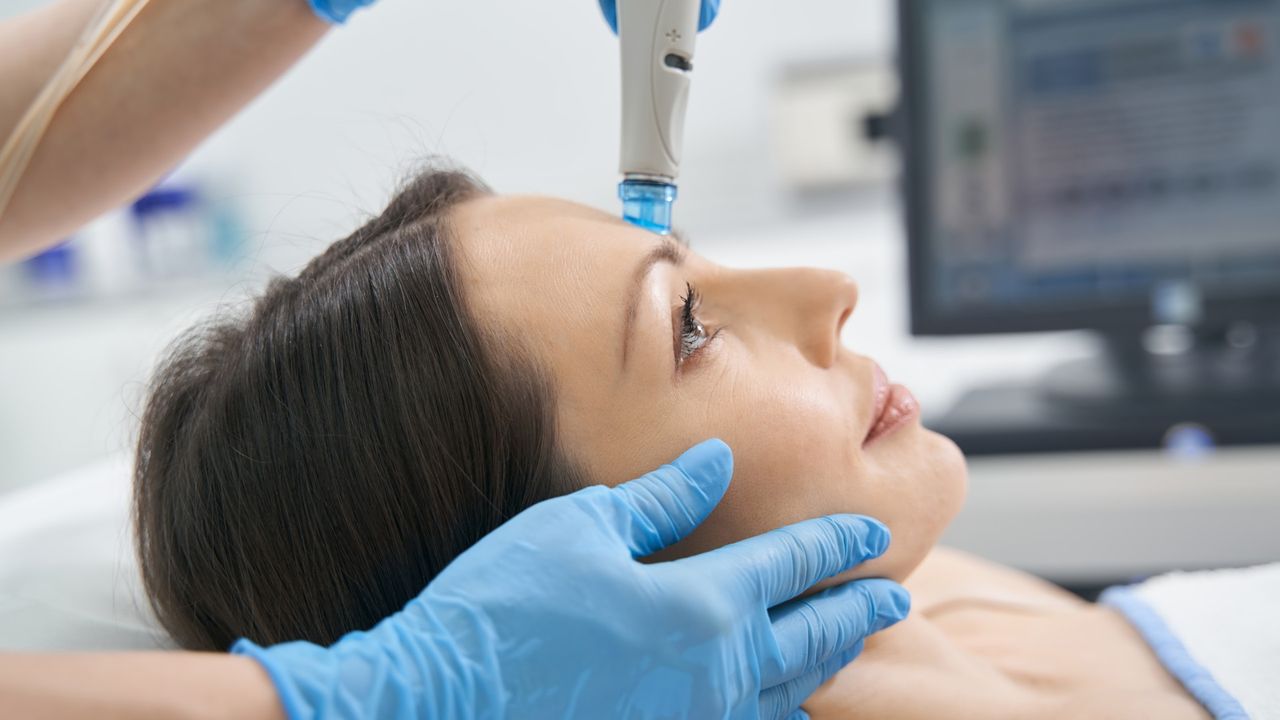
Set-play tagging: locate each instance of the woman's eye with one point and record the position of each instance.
(693, 334)
(692, 339)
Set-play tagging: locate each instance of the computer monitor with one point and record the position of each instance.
(1111, 165)
(1101, 164)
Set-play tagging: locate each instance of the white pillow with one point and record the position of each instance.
(68, 576)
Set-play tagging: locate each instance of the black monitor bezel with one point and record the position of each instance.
(1109, 316)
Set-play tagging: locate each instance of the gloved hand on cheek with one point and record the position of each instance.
(553, 615)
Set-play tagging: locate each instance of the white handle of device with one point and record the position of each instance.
(658, 38)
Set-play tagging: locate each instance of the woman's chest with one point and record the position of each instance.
(1030, 631)
(1058, 651)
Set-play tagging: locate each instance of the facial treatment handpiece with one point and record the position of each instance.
(658, 38)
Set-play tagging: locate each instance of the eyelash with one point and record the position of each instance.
(693, 334)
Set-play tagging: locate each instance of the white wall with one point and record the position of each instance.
(526, 93)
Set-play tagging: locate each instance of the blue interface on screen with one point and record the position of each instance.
(1086, 149)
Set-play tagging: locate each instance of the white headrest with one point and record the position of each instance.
(68, 576)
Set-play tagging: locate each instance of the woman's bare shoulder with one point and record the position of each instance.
(914, 671)
(1127, 706)
(987, 641)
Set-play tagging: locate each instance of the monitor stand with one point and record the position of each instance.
(1172, 387)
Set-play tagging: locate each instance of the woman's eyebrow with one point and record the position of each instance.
(668, 250)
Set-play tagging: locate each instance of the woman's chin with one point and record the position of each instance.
(955, 476)
(929, 498)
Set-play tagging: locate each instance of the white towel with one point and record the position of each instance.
(1217, 631)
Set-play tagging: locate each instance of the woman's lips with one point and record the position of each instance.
(895, 406)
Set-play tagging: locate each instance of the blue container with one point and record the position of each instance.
(647, 204)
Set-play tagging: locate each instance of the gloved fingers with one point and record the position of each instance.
(810, 632)
(668, 503)
(337, 11)
(710, 10)
(610, 10)
(779, 565)
(783, 701)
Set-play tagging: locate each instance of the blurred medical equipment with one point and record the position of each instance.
(97, 38)
(506, 630)
(828, 125)
(658, 40)
(188, 231)
(1110, 166)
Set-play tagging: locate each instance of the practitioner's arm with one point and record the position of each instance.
(137, 686)
(180, 70)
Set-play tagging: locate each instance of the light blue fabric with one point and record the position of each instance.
(1198, 681)
(554, 616)
(337, 11)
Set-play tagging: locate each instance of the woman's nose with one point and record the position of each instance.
(811, 307)
(832, 298)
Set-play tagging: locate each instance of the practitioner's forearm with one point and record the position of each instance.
(138, 686)
(32, 46)
(181, 69)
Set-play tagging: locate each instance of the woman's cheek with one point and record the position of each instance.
(792, 463)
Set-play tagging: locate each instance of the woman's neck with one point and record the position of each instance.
(914, 670)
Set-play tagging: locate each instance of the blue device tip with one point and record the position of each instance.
(647, 204)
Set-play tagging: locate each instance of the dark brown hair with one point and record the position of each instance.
(306, 469)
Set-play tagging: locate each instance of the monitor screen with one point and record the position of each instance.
(1091, 163)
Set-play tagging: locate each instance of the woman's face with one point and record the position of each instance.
(602, 306)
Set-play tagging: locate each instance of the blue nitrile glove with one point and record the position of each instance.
(552, 616)
(337, 11)
(710, 9)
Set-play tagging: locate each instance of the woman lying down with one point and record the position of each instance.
(305, 470)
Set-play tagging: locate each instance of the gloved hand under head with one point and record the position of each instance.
(553, 615)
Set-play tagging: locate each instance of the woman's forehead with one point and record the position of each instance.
(557, 275)
(536, 211)
(534, 261)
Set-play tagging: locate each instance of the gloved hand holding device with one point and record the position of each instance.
(337, 11)
(552, 615)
